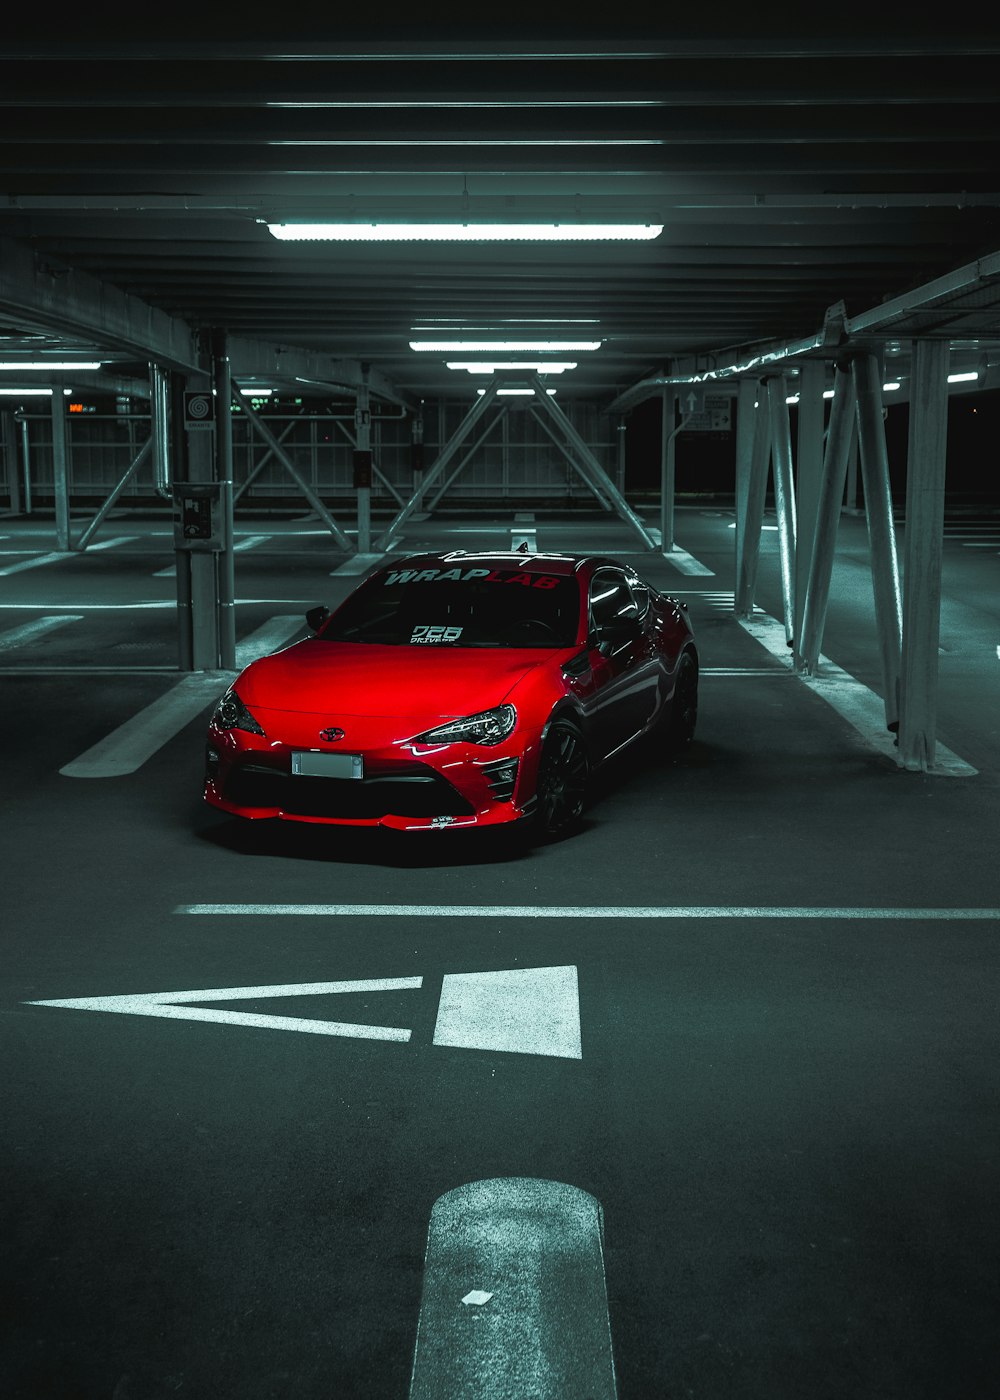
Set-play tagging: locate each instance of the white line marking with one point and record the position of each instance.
(129, 746)
(29, 631)
(165, 1004)
(686, 563)
(267, 639)
(533, 1251)
(250, 542)
(357, 564)
(529, 1010)
(742, 671)
(35, 563)
(111, 544)
(588, 911)
(861, 707)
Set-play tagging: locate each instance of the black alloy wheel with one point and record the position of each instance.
(683, 714)
(562, 780)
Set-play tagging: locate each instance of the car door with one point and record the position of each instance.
(622, 660)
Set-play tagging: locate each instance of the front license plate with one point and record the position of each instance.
(328, 765)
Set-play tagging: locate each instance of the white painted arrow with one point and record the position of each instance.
(528, 1010)
(169, 1004)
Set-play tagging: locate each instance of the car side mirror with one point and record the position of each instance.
(315, 617)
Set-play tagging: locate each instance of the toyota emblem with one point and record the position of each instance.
(332, 733)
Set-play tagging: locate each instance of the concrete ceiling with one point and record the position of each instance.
(793, 165)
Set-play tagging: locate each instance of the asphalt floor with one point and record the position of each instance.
(789, 1119)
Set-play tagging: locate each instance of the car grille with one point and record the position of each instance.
(416, 792)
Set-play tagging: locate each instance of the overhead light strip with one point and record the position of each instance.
(539, 366)
(504, 346)
(33, 365)
(463, 232)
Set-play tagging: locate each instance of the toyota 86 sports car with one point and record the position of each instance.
(457, 690)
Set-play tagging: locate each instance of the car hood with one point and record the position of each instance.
(334, 679)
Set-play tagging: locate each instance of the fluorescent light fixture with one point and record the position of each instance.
(539, 366)
(24, 393)
(888, 388)
(435, 324)
(963, 378)
(828, 393)
(792, 398)
(555, 347)
(256, 393)
(50, 364)
(462, 233)
(480, 392)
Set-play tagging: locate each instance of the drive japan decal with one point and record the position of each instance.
(469, 576)
(435, 634)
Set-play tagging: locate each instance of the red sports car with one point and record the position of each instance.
(457, 690)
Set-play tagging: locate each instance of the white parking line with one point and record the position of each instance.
(588, 911)
(529, 1010)
(267, 638)
(357, 564)
(129, 746)
(686, 563)
(30, 631)
(514, 1300)
(41, 559)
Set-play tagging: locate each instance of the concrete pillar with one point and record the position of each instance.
(363, 464)
(225, 559)
(12, 467)
(925, 484)
(60, 468)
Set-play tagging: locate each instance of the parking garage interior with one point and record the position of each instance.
(698, 1100)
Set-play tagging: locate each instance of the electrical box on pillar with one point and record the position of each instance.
(200, 515)
(362, 468)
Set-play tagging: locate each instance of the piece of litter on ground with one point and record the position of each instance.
(477, 1297)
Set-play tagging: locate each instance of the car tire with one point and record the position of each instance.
(561, 787)
(681, 717)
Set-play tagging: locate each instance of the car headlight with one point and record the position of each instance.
(233, 714)
(489, 727)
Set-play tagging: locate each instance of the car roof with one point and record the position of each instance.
(538, 563)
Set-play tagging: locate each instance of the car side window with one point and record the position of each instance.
(640, 592)
(611, 600)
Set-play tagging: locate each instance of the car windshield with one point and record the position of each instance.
(460, 607)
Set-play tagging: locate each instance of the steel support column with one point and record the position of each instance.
(840, 436)
(746, 581)
(784, 496)
(925, 482)
(444, 457)
(317, 505)
(223, 384)
(881, 531)
(12, 466)
(618, 501)
(668, 468)
(808, 476)
(159, 429)
(745, 423)
(60, 468)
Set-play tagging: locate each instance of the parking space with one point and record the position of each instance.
(776, 952)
